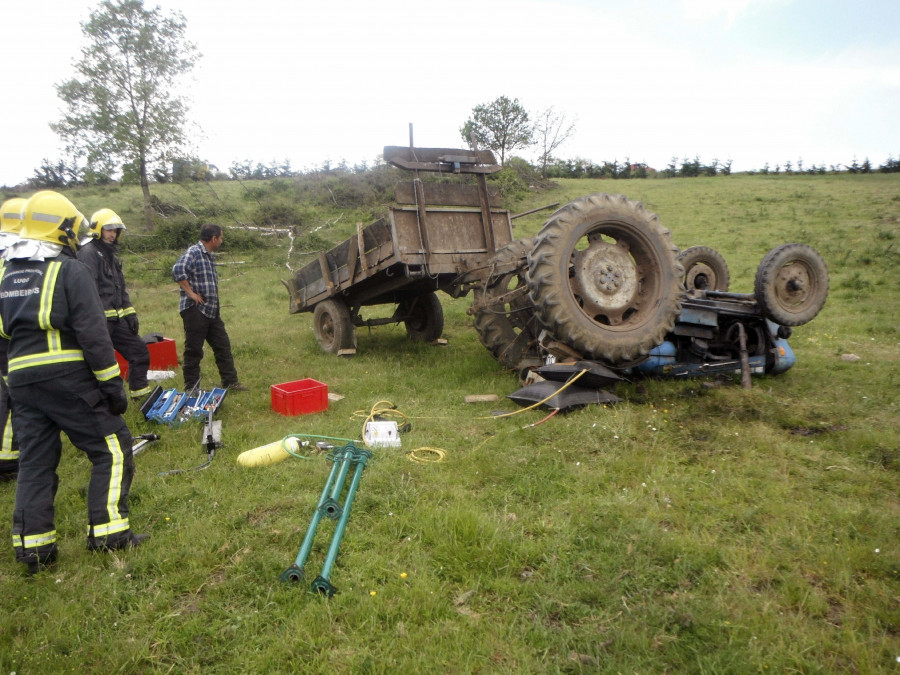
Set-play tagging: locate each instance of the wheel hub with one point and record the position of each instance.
(792, 285)
(701, 276)
(606, 276)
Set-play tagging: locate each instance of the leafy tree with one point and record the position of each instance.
(501, 125)
(122, 109)
(550, 131)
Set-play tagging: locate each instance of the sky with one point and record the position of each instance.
(751, 81)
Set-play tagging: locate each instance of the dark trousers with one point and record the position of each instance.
(9, 445)
(197, 330)
(134, 350)
(73, 404)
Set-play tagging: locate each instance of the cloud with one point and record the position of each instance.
(730, 10)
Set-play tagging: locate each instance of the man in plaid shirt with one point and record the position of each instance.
(195, 272)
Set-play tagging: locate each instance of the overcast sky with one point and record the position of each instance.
(753, 81)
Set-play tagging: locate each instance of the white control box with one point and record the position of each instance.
(382, 434)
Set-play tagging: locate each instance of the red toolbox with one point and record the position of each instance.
(163, 356)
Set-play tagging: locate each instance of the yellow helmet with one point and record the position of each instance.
(48, 216)
(11, 214)
(106, 219)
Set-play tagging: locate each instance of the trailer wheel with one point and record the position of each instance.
(704, 269)
(604, 278)
(333, 326)
(505, 320)
(791, 284)
(423, 316)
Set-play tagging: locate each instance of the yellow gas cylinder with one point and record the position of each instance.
(271, 453)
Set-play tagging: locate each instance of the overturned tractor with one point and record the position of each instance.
(601, 281)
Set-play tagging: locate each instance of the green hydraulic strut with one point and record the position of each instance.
(331, 508)
(322, 584)
(294, 573)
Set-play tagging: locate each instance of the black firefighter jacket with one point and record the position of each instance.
(106, 268)
(51, 315)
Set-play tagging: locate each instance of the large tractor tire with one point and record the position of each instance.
(791, 284)
(704, 269)
(423, 316)
(505, 319)
(333, 326)
(604, 278)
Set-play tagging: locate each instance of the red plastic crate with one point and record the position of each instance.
(163, 355)
(300, 397)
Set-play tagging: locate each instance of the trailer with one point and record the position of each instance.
(438, 237)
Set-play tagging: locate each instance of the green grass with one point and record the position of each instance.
(686, 529)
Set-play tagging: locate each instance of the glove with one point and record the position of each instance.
(114, 392)
(132, 321)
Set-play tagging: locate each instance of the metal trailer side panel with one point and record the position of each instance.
(345, 264)
(451, 240)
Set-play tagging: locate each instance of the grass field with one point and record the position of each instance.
(686, 529)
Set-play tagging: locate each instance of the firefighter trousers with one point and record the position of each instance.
(9, 446)
(74, 404)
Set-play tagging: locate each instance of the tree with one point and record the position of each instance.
(122, 109)
(672, 168)
(501, 125)
(550, 131)
(52, 176)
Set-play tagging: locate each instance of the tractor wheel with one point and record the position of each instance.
(505, 319)
(704, 269)
(791, 284)
(333, 326)
(423, 316)
(604, 278)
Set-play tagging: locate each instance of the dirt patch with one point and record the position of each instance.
(815, 431)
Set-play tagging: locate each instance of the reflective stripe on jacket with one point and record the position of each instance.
(106, 270)
(51, 314)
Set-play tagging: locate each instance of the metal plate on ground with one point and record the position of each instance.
(572, 397)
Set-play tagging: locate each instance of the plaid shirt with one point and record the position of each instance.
(199, 268)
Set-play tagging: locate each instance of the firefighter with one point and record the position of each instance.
(63, 376)
(10, 224)
(100, 255)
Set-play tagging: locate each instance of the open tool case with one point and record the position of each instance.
(174, 407)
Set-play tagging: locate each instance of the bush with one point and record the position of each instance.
(183, 230)
(510, 182)
(279, 214)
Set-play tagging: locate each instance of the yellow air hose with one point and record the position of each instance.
(535, 405)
